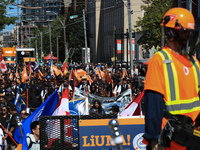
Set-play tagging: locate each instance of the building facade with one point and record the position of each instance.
(104, 19)
(39, 11)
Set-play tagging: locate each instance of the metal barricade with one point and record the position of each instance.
(62, 132)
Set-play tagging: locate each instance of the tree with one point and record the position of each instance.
(75, 32)
(149, 25)
(74, 35)
(5, 20)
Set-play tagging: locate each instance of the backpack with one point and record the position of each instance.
(31, 142)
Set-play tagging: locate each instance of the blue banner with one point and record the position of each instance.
(93, 136)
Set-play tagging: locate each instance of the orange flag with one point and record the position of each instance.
(88, 78)
(24, 75)
(107, 76)
(124, 74)
(65, 71)
(99, 73)
(81, 72)
(56, 70)
(11, 77)
(74, 76)
(16, 73)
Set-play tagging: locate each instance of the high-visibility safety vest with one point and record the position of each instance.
(173, 103)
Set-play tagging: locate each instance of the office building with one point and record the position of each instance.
(103, 18)
(39, 11)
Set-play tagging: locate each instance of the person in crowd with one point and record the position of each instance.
(3, 101)
(124, 85)
(115, 109)
(11, 128)
(33, 138)
(117, 89)
(2, 142)
(106, 87)
(5, 118)
(84, 85)
(44, 92)
(93, 89)
(96, 108)
(24, 113)
(62, 87)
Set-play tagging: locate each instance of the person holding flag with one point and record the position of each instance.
(3, 65)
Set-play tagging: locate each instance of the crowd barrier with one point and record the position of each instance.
(63, 132)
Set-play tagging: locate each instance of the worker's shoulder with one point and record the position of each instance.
(156, 57)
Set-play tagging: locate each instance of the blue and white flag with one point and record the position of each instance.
(20, 104)
(36, 66)
(77, 107)
(50, 63)
(17, 95)
(46, 109)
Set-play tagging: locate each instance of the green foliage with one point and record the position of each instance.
(75, 33)
(5, 20)
(74, 36)
(149, 25)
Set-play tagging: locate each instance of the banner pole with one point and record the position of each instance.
(26, 98)
(9, 134)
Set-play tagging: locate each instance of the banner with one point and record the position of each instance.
(122, 100)
(94, 134)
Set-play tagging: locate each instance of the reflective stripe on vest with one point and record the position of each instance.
(174, 104)
(195, 67)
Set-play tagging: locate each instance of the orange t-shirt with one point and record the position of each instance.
(155, 80)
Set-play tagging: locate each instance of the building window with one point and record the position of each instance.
(28, 17)
(28, 11)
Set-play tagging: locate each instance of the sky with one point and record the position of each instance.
(12, 12)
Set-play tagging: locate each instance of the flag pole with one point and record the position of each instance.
(26, 98)
(9, 134)
(87, 100)
(0, 64)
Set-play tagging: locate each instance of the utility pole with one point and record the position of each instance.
(18, 23)
(190, 6)
(57, 49)
(50, 39)
(66, 45)
(130, 35)
(36, 47)
(162, 37)
(29, 42)
(86, 51)
(41, 46)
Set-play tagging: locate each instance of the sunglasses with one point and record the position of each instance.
(3, 109)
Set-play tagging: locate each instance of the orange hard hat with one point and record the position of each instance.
(178, 18)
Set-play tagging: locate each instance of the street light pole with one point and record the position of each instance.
(41, 46)
(18, 24)
(36, 47)
(130, 35)
(64, 30)
(86, 49)
(57, 49)
(50, 39)
(66, 47)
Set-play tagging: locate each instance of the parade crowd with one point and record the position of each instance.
(42, 83)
